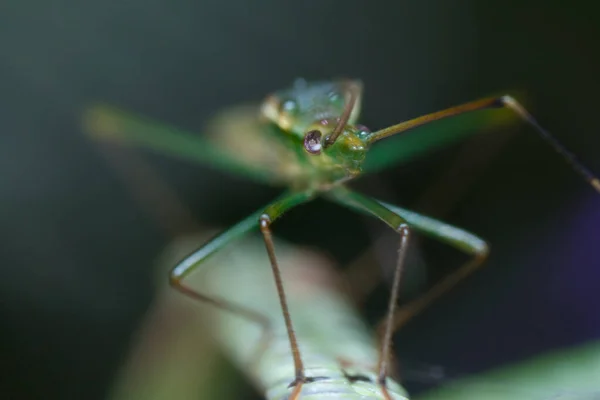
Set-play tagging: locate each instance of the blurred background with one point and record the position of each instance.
(77, 251)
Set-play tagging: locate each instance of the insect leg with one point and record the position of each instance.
(108, 123)
(458, 238)
(451, 235)
(264, 218)
(196, 259)
(374, 208)
(271, 213)
(506, 102)
(468, 166)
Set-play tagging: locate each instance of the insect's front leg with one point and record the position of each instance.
(270, 214)
(195, 261)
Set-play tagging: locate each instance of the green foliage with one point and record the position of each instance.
(567, 374)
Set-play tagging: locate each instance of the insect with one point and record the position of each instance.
(330, 331)
(307, 139)
(339, 348)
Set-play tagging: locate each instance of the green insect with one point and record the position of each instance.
(307, 139)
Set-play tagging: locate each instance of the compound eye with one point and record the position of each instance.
(312, 141)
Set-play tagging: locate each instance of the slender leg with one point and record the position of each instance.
(453, 236)
(488, 103)
(270, 214)
(467, 167)
(195, 260)
(108, 123)
(401, 225)
(458, 238)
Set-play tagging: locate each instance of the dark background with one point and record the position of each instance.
(76, 248)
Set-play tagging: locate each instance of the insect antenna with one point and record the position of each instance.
(352, 90)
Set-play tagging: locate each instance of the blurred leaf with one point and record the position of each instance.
(173, 355)
(572, 373)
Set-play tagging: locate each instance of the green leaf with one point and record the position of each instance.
(567, 374)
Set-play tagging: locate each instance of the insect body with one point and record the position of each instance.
(307, 139)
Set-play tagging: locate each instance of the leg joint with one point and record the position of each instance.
(508, 100)
(403, 229)
(481, 250)
(264, 222)
(174, 279)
